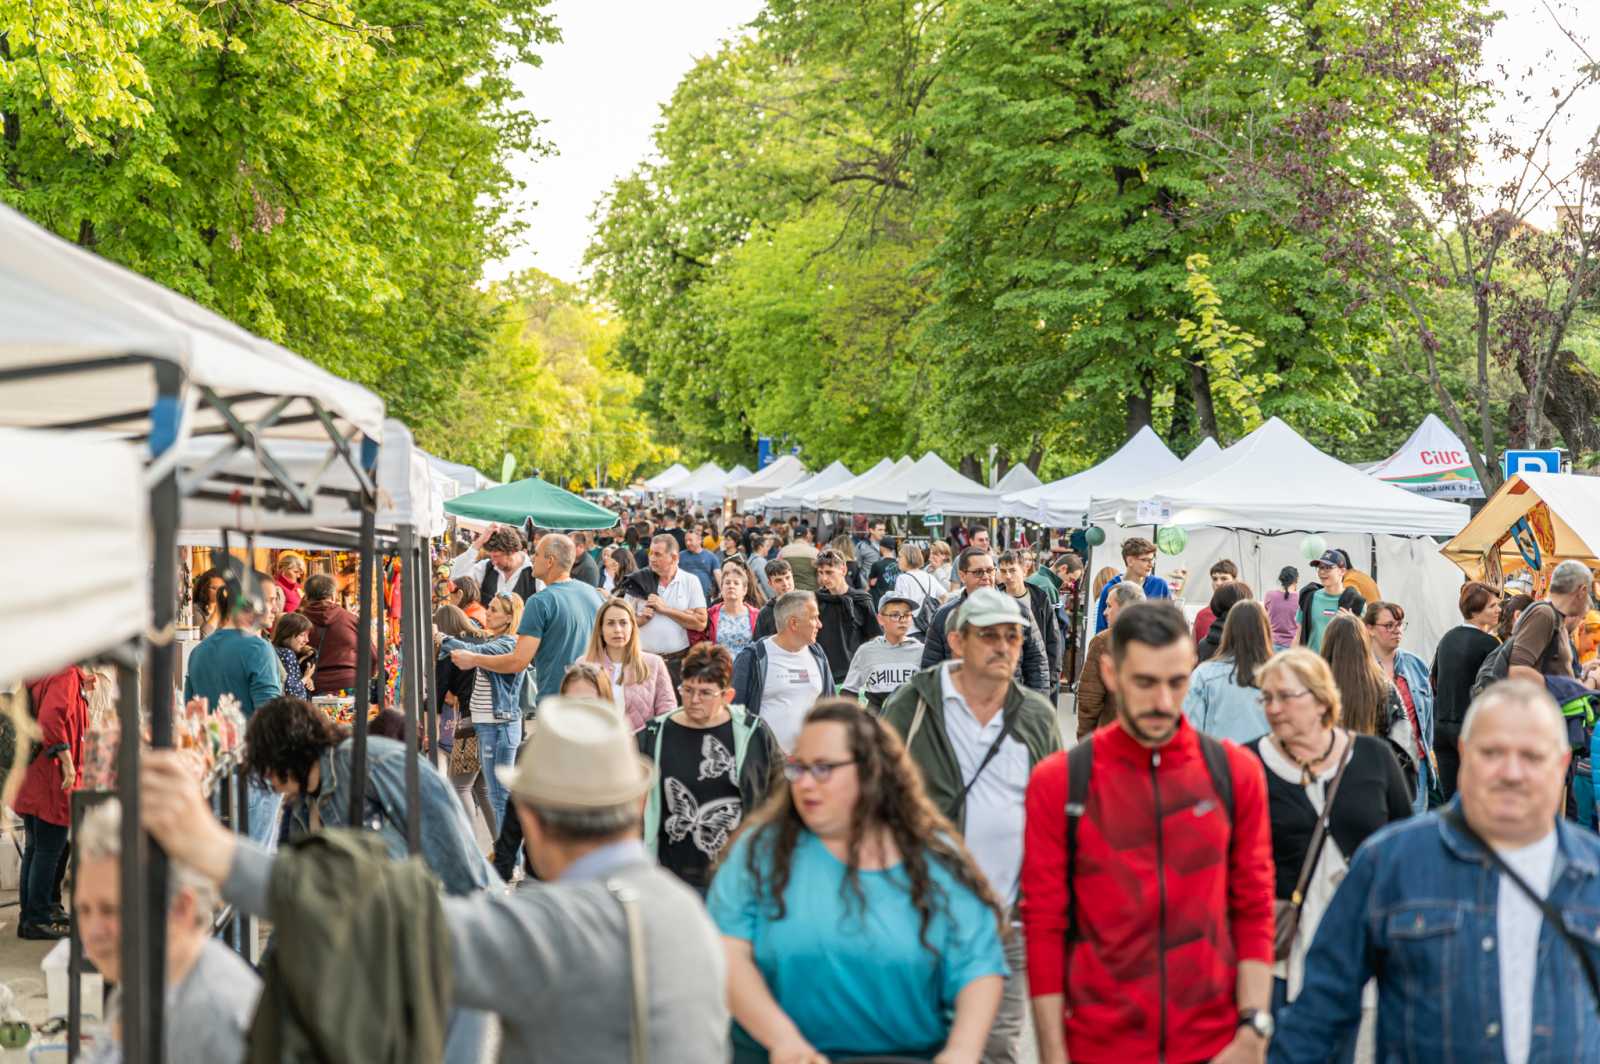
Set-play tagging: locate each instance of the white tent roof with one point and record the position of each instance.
(813, 498)
(1574, 505)
(1018, 478)
(1433, 462)
(61, 304)
(86, 504)
(738, 473)
(1274, 481)
(780, 473)
(676, 473)
(929, 477)
(468, 478)
(1063, 503)
(843, 496)
(410, 490)
(790, 497)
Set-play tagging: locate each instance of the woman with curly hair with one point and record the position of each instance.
(855, 921)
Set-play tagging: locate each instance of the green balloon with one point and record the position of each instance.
(1311, 547)
(508, 466)
(1171, 540)
(1094, 535)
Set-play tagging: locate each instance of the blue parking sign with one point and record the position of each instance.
(1514, 462)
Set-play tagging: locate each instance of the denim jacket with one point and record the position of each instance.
(505, 688)
(1418, 910)
(448, 847)
(1415, 673)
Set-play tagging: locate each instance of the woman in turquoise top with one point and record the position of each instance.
(855, 922)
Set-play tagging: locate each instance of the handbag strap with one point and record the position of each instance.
(916, 721)
(1552, 914)
(628, 898)
(1319, 836)
(1005, 730)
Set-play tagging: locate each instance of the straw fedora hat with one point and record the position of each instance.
(580, 755)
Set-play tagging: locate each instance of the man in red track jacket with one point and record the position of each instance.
(1171, 958)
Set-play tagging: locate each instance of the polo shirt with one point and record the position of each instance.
(994, 815)
(663, 635)
(702, 564)
(561, 617)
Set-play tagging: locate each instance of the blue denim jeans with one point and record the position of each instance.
(265, 804)
(497, 747)
(43, 862)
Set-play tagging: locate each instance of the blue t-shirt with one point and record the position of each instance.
(701, 563)
(561, 617)
(857, 981)
(1154, 588)
(229, 661)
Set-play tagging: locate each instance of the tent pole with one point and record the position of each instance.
(363, 693)
(380, 668)
(430, 699)
(410, 683)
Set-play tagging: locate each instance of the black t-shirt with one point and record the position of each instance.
(1455, 667)
(700, 802)
(675, 533)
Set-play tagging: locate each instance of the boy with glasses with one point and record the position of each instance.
(1139, 561)
(880, 666)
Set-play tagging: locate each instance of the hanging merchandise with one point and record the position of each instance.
(1527, 542)
(1312, 547)
(1094, 535)
(1171, 540)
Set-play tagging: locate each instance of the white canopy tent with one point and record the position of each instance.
(676, 473)
(791, 497)
(468, 478)
(779, 474)
(843, 497)
(1263, 500)
(1432, 462)
(1063, 503)
(813, 498)
(86, 501)
(702, 488)
(1018, 478)
(932, 487)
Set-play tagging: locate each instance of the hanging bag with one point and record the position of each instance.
(1286, 912)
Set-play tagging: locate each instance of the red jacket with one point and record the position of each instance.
(62, 707)
(1162, 921)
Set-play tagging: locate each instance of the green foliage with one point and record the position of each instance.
(1221, 348)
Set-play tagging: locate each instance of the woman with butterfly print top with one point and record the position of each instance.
(713, 763)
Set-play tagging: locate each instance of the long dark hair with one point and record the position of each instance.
(289, 626)
(285, 737)
(1363, 688)
(891, 798)
(1247, 639)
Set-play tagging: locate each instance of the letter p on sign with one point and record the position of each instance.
(1515, 462)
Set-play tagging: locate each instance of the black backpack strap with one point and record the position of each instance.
(1221, 772)
(1080, 765)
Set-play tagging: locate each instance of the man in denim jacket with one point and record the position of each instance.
(1467, 967)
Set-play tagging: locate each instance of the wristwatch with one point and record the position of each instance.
(1259, 1021)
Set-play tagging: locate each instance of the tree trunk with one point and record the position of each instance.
(1205, 410)
(1140, 406)
(1035, 456)
(971, 468)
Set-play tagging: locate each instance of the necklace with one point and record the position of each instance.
(1306, 775)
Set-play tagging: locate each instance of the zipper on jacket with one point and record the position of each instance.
(1161, 921)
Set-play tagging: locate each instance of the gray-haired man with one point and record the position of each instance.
(779, 678)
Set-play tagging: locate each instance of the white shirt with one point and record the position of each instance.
(478, 568)
(917, 585)
(661, 634)
(792, 686)
(994, 818)
(1519, 921)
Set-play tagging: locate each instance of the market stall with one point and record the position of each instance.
(1432, 462)
(1063, 503)
(789, 499)
(701, 488)
(532, 499)
(1534, 521)
(783, 472)
(674, 474)
(843, 497)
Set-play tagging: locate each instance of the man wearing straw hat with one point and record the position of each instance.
(590, 964)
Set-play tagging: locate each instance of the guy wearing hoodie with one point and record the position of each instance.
(848, 616)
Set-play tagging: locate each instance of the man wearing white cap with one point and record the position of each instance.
(587, 966)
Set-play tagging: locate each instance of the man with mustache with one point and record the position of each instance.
(1147, 874)
(976, 735)
(1480, 922)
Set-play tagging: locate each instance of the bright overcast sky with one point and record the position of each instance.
(599, 94)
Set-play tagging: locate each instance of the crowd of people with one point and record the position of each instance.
(799, 795)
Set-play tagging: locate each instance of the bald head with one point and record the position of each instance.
(559, 551)
(1514, 754)
(1530, 704)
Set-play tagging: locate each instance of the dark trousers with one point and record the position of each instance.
(1448, 755)
(44, 866)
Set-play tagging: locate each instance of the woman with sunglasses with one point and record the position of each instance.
(1408, 675)
(1304, 753)
(855, 921)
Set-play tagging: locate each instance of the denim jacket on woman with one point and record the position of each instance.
(505, 688)
(1419, 910)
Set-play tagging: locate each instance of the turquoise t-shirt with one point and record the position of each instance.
(857, 982)
(561, 617)
(1323, 608)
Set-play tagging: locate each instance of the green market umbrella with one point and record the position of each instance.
(531, 499)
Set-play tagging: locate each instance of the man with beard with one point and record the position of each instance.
(1148, 847)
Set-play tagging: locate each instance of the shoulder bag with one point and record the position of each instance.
(1286, 912)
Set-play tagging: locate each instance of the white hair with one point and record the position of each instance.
(1530, 700)
(1126, 594)
(789, 605)
(1569, 576)
(100, 838)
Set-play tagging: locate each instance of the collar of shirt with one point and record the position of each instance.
(604, 860)
(507, 579)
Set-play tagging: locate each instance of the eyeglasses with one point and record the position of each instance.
(1392, 626)
(1269, 697)
(998, 634)
(820, 771)
(697, 693)
(897, 615)
(979, 572)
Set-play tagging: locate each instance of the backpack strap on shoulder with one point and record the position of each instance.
(1080, 765)
(1216, 756)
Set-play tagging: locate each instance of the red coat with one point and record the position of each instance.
(63, 712)
(1161, 929)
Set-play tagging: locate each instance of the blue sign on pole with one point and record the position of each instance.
(1514, 462)
(763, 451)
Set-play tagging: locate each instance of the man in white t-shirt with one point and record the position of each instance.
(1466, 963)
(779, 678)
(677, 608)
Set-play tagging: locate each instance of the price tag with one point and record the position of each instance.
(1152, 512)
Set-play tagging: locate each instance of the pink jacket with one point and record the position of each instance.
(645, 701)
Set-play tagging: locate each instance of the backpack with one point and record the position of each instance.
(1497, 665)
(922, 620)
(1080, 766)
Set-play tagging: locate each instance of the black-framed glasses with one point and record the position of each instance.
(898, 615)
(818, 770)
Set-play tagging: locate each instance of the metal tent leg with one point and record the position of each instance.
(358, 760)
(411, 682)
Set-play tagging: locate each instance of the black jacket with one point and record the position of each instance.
(1033, 670)
(1049, 629)
(848, 620)
(750, 675)
(766, 623)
